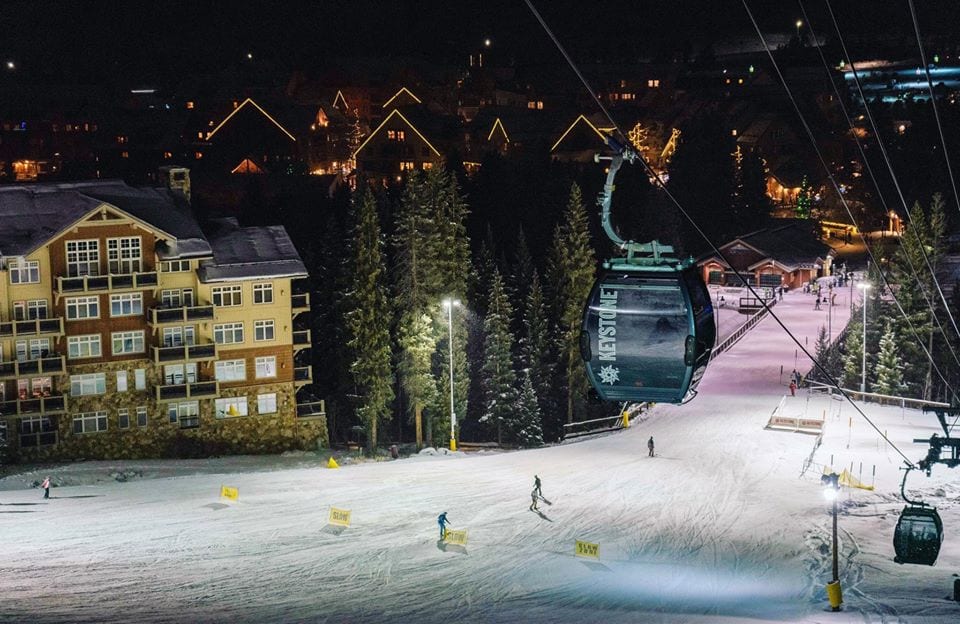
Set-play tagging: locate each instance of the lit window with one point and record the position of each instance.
(189, 105)
(230, 370)
(167, 155)
(231, 407)
(89, 384)
(124, 154)
(427, 166)
(266, 367)
(128, 342)
(198, 155)
(406, 165)
(733, 132)
(267, 403)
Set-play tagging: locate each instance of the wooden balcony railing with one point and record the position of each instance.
(32, 327)
(93, 283)
(302, 375)
(185, 353)
(195, 390)
(301, 338)
(185, 314)
(311, 409)
(300, 302)
(41, 405)
(44, 366)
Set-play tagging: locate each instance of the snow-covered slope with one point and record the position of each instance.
(719, 527)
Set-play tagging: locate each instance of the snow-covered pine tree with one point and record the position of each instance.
(499, 379)
(852, 361)
(538, 355)
(889, 369)
(416, 332)
(368, 319)
(571, 271)
(526, 427)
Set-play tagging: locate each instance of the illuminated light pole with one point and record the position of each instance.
(831, 490)
(863, 347)
(448, 304)
(799, 24)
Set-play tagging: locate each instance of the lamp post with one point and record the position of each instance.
(863, 347)
(799, 24)
(831, 483)
(448, 304)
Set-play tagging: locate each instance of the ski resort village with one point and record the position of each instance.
(480, 311)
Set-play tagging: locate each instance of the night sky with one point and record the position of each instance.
(145, 42)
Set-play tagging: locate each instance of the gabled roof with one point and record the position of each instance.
(402, 92)
(497, 124)
(582, 120)
(790, 242)
(395, 113)
(247, 166)
(34, 214)
(339, 98)
(253, 104)
(250, 253)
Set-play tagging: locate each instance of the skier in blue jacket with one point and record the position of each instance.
(442, 521)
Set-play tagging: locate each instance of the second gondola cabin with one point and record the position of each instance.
(647, 332)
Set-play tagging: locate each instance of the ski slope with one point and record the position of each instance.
(718, 528)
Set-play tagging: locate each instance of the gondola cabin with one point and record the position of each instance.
(647, 333)
(918, 535)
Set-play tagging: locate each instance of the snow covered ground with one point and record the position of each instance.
(719, 527)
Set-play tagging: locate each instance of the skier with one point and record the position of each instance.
(650, 446)
(533, 500)
(536, 485)
(442, 521)
(793, 388)
(46, 487)
(816, 305)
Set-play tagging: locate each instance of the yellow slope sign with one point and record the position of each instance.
(455, 537)
(229, 492)
(340, 517)
(587, 549)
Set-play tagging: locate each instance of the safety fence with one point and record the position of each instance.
(818, 387)
(605, 424)
(733, 338)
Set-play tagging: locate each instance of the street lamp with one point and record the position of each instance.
(831, 490)
(449, 304)
(799, 24)
(863, 347)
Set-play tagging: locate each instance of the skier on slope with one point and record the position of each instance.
(650, 446)
(442, 521)
(536, 485)
(46, 487)
(533, 501)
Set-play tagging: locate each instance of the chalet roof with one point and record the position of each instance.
(788, 241)
(250, 253)
(33, 214)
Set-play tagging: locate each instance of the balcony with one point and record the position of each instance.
(97, 283)
(301, 339)
(300, 303)
(32, 328)
(195, 390)
(185, 353)
(302, 375)
(186, 314)
(34, 406)
(311, 409)
(44, 366)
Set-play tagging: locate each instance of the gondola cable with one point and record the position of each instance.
(716, 250)
(886, 158)
(853, 220)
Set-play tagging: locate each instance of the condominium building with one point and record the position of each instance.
(127, 331)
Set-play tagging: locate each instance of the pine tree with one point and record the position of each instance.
(804, 199)
(751, 205)
(853, 362)
(571, 269)
(538, 356)
(499, 379)
(889, 369)
(527, 431)
(368, 320)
